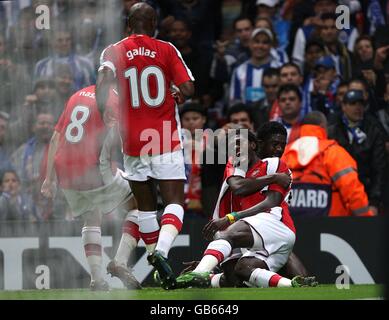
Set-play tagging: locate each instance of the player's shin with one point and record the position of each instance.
(130, 238)
(171, 225)
(91, 239)
(148, 229)
(215, 253)
(264, 278)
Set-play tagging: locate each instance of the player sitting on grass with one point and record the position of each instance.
(262, 225)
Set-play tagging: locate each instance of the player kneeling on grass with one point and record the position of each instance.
(79, 151)
(263, 225)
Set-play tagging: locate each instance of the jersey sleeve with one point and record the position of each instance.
(276, 165)
(107, 59)
(179, 70)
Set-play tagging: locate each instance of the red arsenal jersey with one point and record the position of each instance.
(229, 202)
(81, 130)
(145, 69)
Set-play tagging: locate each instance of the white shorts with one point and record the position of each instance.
(105, 198)
(166, 166)
(273, 240)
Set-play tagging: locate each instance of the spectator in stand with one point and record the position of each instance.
(14, 204)
(5, 163)
(314, 50)
(204, 18)
(334, 47)
(193, 117)
(270, 9)
(276, 51)
(42, 99)
(180, 35)
(246, 82)
(361, 135)
(323, 173)
(64, 84)
(325, 84)
(290, 73)
(290, 102)
(14, 78)
(29, 162)
(371, 103)
(313, 28)
(228, 54)
(363, 52)
(82, 70)
(261, 109)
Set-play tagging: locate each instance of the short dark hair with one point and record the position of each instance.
(240, 18)
(4, 171)
(362, 81)
(314, 42)
(291, 64)
(289, 87)
(343, 83)
(239, 107)
(271, 72)
(270, 128)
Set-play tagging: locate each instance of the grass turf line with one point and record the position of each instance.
(322, 292)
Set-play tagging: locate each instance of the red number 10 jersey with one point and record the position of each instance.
(145, 69)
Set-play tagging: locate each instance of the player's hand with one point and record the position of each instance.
(189, 266)
(283, 179)
(48, 189)
(178, 96)
(213, 226)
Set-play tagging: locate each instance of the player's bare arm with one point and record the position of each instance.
(48, 186)
(245, 186)
(273, 199)
(105, 80)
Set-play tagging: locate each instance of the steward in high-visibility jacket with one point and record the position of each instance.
(325, 178)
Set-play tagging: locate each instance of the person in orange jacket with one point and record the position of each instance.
(325, 178)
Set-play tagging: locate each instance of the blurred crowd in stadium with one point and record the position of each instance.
(253, 61)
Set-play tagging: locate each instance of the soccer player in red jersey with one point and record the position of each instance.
(79, 161)
(260, 222)
(144, 70)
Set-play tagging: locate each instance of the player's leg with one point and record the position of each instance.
(228, 278)
(237, 235)
(91, 239)
(128, 242)
(256, 272)
(146, 198)
(293, 267)
(172, 193)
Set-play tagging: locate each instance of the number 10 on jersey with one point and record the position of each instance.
(139, 86)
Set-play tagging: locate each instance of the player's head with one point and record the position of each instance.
(142, 19)
(272, 139)
(316, 118)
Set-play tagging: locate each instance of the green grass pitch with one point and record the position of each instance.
(322, 292)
